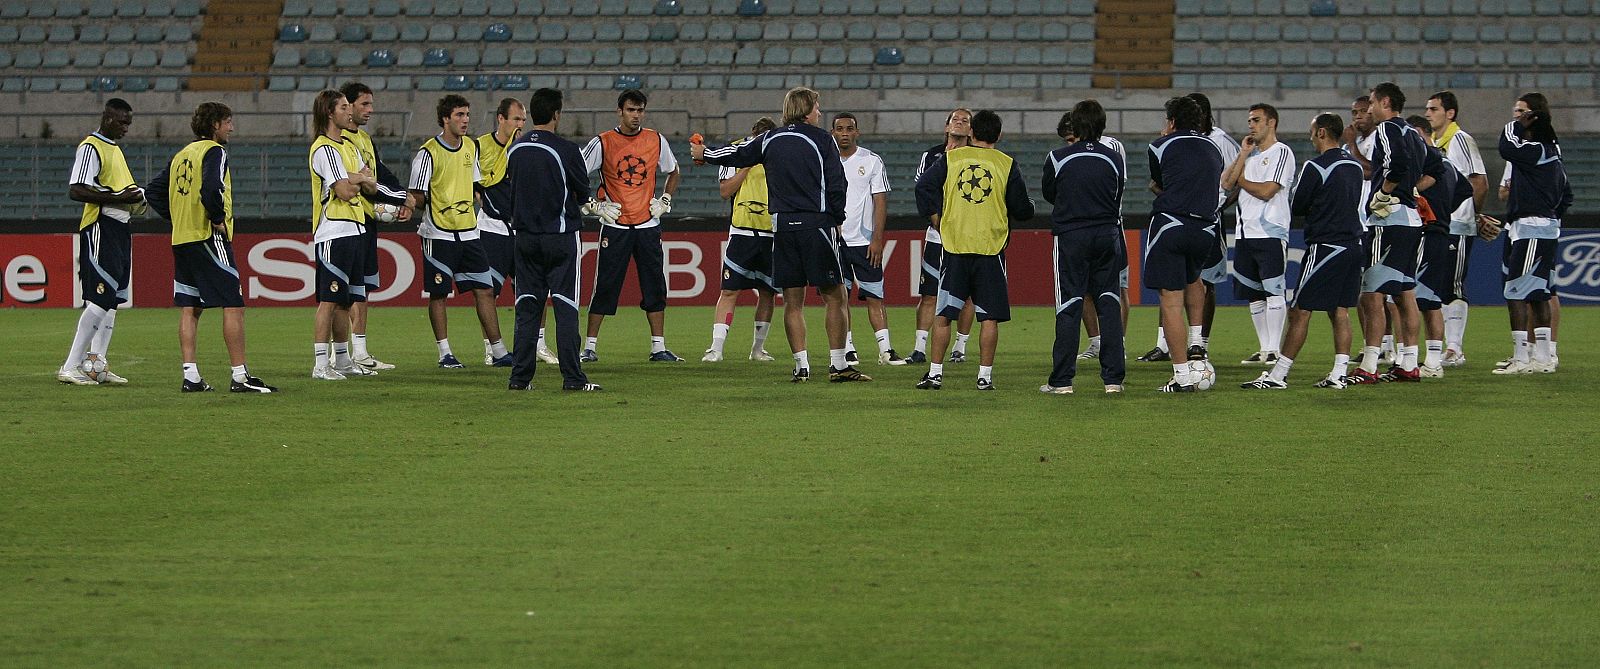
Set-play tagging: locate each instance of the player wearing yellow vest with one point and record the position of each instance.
(444, 175)
(338, 179)
(971, 196)
(629, 158)
(494, 203)
(195, 193)
(747, 257)
(102, 181)
(389, 192)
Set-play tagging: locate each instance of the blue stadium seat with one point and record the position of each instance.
(1208, 57)
(1242, 7)
(972, 8)
(348, 56)
(918, 55)
(1295, 32)
(1237, 32)
(284, 56)
(1189, 7)
(119, 58)
(1322, 33)
(1407, 33)
(523, 57)
(1577, 58)
(55, 59)
(1320, 57)
(1547, 8)
(1081, 32)
(321, 32)
(419, 8)
(1213, 32)
(275, 83)
(313, 58)
(180, 33)
(888, 55)
(803, 55)
(1408, 7)
(1579, 32)
(1492, 8)
(1185, 32)
(174, 57)
(1576, 8)
(380, 58)
(1519, 8)
(831, 55)
(1464, 32)
(1264, 56)
(385, 8)
(296, 8)
(1029, 7)
(889, 30)
(440, 32)
(1519, 34)
(465, 57)
(1053, 32)
(61, 33)
(946, 55)
(1378, 55)
(747, 32)
(1491, 56)
(859, 31)
(1548, 34)
(775, 55)
(746, 8)
(917, 31)
(497, 32)
(1184, 56)
(1002, 8)
(972, 31)
(409, 57)
(1436, 33)
(66, 9)
(495, 56)
(33, 34)
(318, 9)
(83, 58)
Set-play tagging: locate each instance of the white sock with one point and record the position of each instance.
(1094, 343)
(802, 361)
(658, 344)
(836, 358)
(760, 341)
(850, 341)
(883, 340)
(1435, 354)
(488, 348)
(1408, 357)
(1455, 324)
(1280, 369)
(1161, 339)
(341, 354)
(1541, 346)
(986, 372)
(1519, 346)
(239, 373)
(1369, 359)
(191, 372)
(1388, 345)
(1180, 373)
(102, 334)
(1277, 314)
(1258, 318)
(444, 348)
(922, 342)
(935, 369)
(497, 348)
(961, 343)
(1341, 366)
(88, 321)
(320, 350)
(1553, 345)
(358, 346)
(719, 336)
(541, 345)
(1194, 336)
(591, 343)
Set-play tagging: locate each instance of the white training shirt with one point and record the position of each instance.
(865, 177)
(421, 175)
(86, 171)
(1463, 152)
(1267, 219)
(665, 164)
(1230, 151)
(328, 163)
(1364, 145)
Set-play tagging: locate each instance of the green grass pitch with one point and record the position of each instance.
(698, 514)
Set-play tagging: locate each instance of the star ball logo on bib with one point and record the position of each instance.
(975, 184)
(1577, 271)
(631, 170)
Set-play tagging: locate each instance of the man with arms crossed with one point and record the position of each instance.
(1263, 173)
(338, 180)
(388, 191)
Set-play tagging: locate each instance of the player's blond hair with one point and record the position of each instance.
(798, 104)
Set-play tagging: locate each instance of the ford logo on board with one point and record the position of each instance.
(1577, 272)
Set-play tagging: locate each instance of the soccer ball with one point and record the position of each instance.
(93, 367)
(1206, 373)
(386, 213)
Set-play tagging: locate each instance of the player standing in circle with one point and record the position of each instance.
(102, 181)
(1540, 196)
(493, 191)
(389, 193)
(1091, 318)
(1462, 150)
(1442, 189)
(806, 193)
(1263, 172)
(1085, 182)
(747, 257)
(444, 175)
(862, 238)
(957, 133)
(629, 158)
(195, 193)
(1328, 194)
(338, 179)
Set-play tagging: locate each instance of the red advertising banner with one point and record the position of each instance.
(277, 270)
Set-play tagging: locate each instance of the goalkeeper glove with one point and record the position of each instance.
(660, 205)
(1382, 204)
(608, 212)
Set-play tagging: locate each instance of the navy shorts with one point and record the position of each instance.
(105, 262)
(976, 277)
(502, 253)
(1330, 276)
(747, 262)
(204, 274)
(858, 270)
(337, 261)
(459, 260)
(1528, 269)
(1436, 271)
(1176, 251)
(617, 247)
(370, 268)
(803, 258)
(1258, 267)
(1215, 268)
(932, 260)
(1392, 260)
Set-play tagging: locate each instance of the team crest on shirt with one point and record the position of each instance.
(975, 183)
(726, 274)
(631, 170)
(333, 287)
(604, 242)
(100, 289)
(862, 170)
(438, 278)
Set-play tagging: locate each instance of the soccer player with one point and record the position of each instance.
(548, 182)
(806, 193)
(866, 212)
(1091, 320)
(1084, 181)
(1328, 194)
(957, 133)
(1359, 137)
(1488, 229)
(1540, 196)
(338, 180)
(1185, 173)
(747, 257)
(1397, 158)
(195, 193)
(388, 191)
(443, 176)
(1443, 188)
(971, 197)
(1263, 171)
(1462, 150)
(102, 181)
(493, 192)
(629, 158)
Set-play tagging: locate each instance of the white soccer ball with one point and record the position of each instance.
(93, 367)
(1206, 373)
(386, 213)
